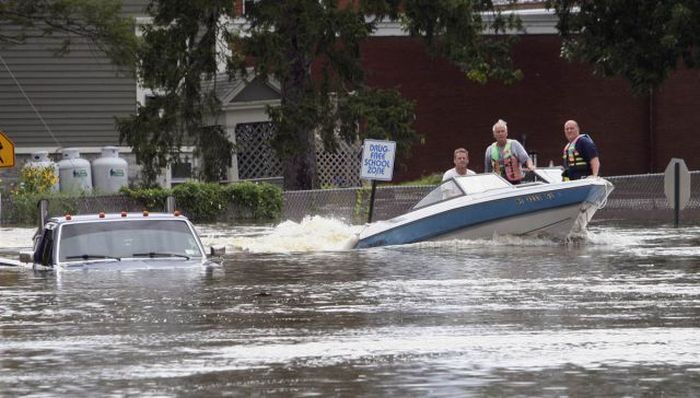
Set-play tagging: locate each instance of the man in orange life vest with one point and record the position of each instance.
(506, 156)
(580, 154)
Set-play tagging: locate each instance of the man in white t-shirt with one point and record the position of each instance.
(461, 161)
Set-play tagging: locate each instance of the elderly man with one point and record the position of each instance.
(580, 154)
(505, 156)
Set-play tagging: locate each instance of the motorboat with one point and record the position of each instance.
(486, 205)
(118, 240)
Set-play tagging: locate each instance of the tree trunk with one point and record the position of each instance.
(299, 159)
(299, 168)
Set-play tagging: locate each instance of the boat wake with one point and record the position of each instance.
(314, 233)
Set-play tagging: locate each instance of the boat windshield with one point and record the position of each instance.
(550, 175)
(447, 190)
(461, 186)
(127, 239)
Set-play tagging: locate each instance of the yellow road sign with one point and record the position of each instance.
(7, 151)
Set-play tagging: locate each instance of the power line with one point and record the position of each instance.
(19, 86)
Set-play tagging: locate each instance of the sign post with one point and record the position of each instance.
(377, 164)
(7, 151)
(677, 186)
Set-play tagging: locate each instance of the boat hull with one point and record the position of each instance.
(556, 210)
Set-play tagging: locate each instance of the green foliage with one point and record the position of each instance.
(642, 40)
(384, 114)
(288, 40)
(204, 202)
(455, 29)
(264, 200)
(179, 61)
(99, 21)
(201, 202)
(152, 198)
(209, 202)
(361, 210)
(24, 209)
(286, 37)
(36, 180)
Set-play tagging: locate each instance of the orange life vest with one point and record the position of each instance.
(573, 160)
(511, 165)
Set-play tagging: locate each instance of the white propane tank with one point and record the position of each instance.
(109, 172)
(74, 173)
(40, 160)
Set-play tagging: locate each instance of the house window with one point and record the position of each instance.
(181, 171)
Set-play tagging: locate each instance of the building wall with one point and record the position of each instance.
(70, 100)
(453, 112)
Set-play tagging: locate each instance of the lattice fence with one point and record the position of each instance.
(257, 159)
(340, 169)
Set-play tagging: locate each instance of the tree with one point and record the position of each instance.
(312, 47)
(642, 40)
(99, 21)
(286, 38)
(178, 60)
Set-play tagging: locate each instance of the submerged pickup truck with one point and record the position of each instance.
(118, 240)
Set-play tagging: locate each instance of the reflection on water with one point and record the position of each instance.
(293, 312)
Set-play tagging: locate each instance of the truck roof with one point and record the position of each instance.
(116, 216)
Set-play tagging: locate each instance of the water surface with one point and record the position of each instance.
(291, 313)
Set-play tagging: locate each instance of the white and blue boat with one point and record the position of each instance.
(486, 205)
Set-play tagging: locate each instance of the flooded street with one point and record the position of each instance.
(290, 312)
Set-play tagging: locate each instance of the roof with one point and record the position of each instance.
(242, 89)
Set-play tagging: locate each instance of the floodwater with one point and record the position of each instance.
(290, 312)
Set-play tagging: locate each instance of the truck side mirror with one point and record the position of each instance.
(217, 251)
(26, 256)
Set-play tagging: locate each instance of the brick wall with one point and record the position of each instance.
(453, 112)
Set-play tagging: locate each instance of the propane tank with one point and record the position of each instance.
(109, 171)
(74, 172)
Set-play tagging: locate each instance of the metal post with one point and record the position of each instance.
(676, 192)
(371, 200)
(43, 212)
(170, 204)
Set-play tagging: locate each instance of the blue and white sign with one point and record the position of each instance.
(378, 160)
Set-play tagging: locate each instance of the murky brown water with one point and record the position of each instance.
(617, 316)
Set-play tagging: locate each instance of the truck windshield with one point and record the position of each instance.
(127, 239)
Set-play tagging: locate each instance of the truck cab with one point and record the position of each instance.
(122, 240)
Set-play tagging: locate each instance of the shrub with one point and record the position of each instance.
(24, 207)
(202, 202)
(36, 180)
(152, 198)
(263, 201)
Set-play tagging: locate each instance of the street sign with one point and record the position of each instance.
(7, 151)
(683, 189)
(378, 160)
